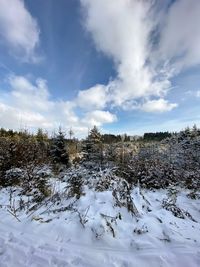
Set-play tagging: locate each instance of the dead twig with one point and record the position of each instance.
(14, 215)
(82, 218)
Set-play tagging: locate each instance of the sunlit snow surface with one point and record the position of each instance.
(48, 236)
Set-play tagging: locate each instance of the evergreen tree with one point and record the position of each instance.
(58, 149)
(41, 136)
(94, 135)
(94, 146)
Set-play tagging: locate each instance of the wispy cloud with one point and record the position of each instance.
(149, 45)
(19, 30)
(180, 35)
(193, 93)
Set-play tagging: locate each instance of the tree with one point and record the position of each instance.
(94, 147)
(20, 158)
(41, 136)
(156, 136)
(71, 133)
(58, 149)
(94, 135)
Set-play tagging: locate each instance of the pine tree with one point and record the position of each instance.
(59, 152)
(94, 135)
(94, 146)
(41, 136)
(42, 139)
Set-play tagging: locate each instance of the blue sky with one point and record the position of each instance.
(125, 65)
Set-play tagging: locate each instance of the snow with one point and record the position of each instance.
(93, 231)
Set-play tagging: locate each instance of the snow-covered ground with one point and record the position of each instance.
(94, 231)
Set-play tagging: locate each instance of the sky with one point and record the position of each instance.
(123, 65)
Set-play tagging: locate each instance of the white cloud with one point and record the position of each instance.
(122, 29)
(159, 105)
(15, 118)
(93, 98)
(180, 36)
(98, 117)
(145, 63)
(30, 97)
(29, 104)
(18, 29)
(193, 93)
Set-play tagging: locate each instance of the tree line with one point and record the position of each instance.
(176, 157)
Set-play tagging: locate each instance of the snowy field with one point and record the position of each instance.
(94, 230)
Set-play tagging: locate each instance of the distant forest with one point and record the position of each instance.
(106, 138)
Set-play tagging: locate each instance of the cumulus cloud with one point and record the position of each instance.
(121, 29)
(18, 29)
(14, 118)
(93, 98)
(29, 96)
(99, 117)
(159, 105)
(149, 44)
(29, 103)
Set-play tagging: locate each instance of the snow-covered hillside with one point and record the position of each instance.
(94, 226)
